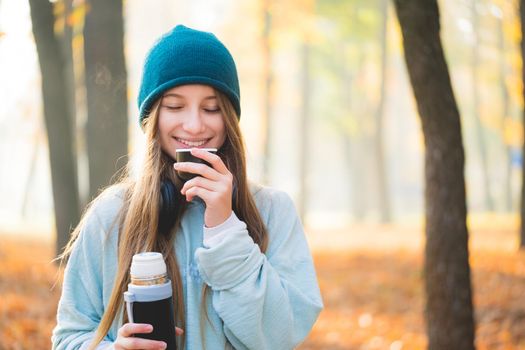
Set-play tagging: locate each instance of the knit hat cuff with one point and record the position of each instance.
(157, 93)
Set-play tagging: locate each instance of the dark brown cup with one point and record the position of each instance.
(184, 155)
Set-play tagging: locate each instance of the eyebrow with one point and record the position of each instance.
(172, 94)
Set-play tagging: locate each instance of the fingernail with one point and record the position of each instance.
(175, 165)
(164, 346)
(149, 328)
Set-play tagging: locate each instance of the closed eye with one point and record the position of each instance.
(172, 108)
(212, 110)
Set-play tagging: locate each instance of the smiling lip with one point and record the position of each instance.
(192, 143)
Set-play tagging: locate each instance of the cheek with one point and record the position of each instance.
(220, 129)
(164, 129)
(166, 123)
(163, 121)
(218, 124)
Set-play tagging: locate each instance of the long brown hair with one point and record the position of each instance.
(138, 217)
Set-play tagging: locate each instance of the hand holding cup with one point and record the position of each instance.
(212, 183)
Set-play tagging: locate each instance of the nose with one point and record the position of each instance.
(193, 122)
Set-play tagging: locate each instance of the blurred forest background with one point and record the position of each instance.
(328, 116)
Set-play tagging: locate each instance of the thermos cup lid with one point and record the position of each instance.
(146, 265)
(202, 149)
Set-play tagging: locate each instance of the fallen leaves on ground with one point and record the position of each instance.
(28, 300)
(374, 299)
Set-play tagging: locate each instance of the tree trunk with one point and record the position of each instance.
(449, 310)
(65, 36)
(354, 143)
(354, 169)
(66, 41)
(383, 197)
(268, 81)
(505, 112)
(304, 128)
(522, 228)
(58, 121)
(106, 88)
(482, 147)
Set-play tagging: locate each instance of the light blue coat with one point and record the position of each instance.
(258, 301)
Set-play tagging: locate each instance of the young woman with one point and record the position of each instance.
(240, 267)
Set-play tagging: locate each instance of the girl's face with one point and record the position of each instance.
(189, 116)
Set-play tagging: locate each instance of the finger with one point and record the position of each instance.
(204, 194)
(139, 343)
(199, 181)
(215, 161)
(178, 331)
(129, 329)
(197, 168)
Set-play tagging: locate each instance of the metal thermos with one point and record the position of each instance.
(148, 299)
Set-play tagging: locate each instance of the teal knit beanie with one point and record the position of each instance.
(187, 56)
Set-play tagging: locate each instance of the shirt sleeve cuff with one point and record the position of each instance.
(212, 236)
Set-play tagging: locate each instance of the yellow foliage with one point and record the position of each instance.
(515, 89)
(76, 18)
(513, 132)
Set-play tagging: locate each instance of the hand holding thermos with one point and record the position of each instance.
(126, 340)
